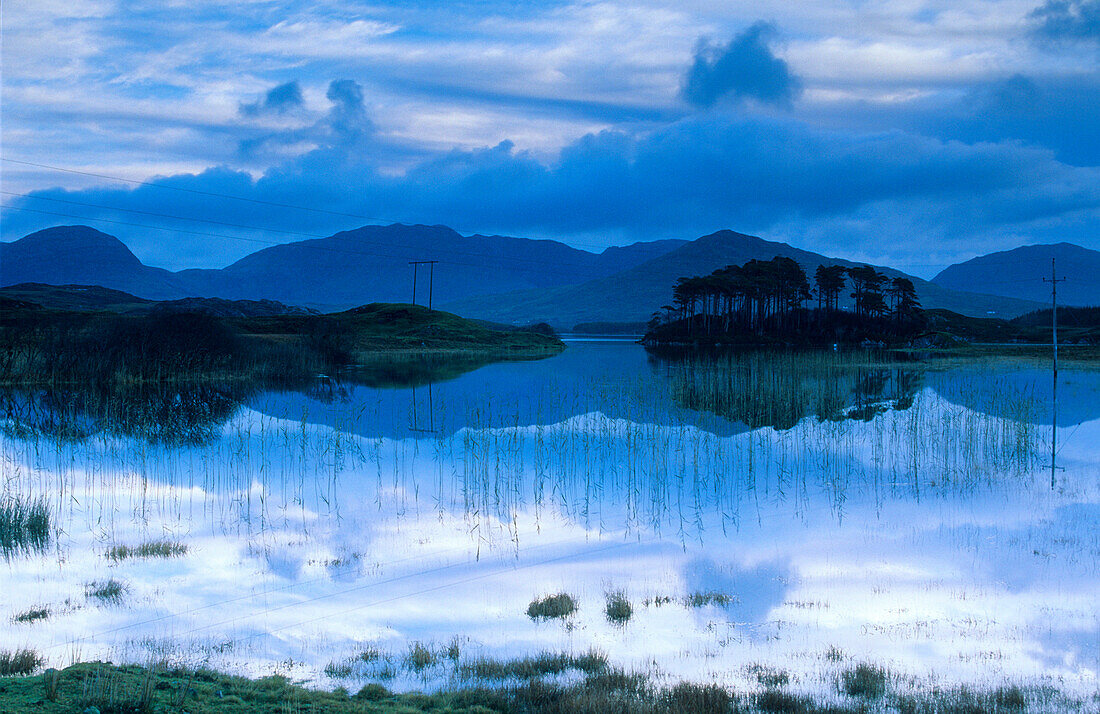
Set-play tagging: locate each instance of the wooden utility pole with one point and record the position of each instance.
(431, 278)
(1054, 280)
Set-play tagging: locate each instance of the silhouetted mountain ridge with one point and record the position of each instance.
(1020, 273)
(368, 264)
(79, 255)
(634, 294)
(497, 278)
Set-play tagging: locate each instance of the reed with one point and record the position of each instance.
(24, 526)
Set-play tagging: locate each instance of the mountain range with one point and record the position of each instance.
(635, 293)
(504, 279)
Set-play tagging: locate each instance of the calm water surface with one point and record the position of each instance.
(824, 508)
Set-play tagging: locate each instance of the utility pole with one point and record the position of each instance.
(1054, 280)
(431, 278)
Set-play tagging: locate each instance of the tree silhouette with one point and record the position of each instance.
(766, 299)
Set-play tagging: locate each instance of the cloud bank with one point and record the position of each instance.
(695, 175)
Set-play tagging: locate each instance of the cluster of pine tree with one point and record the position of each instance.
(773, 299)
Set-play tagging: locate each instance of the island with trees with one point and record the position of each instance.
(773, 302)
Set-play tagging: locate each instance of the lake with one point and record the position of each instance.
(757, 511)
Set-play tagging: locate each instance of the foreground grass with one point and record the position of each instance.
(111, 689)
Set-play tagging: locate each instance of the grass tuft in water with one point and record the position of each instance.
(710, 597)
(419, 657)
(865, 681)
(150, 549)
(24, 526)
(533, 667)
(769, 677)
(561, 605)
(108, 592)
(32, 615)
(617, 608)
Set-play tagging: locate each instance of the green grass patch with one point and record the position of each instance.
(34, 614)
(617, 607)
(149, 549)
(552, 606)
(107, 592)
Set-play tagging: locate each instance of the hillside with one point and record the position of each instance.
(634, 294)
(372, 264)
(1020, 273)
(76, 297)
(49, 346)
(92, 298)
(79, 255)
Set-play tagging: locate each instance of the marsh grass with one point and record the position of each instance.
(136, 690)
(370, 663)
(558, 606)
(617, 607)
(34, 614)
(533, 667)
(149, 549)
(108, 592)
(866, 681)
(14, 663)
(24, 526)
(709, 597)
(769, 677)
(420, 657)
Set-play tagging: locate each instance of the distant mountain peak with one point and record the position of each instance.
(82, 238)
(1019, 273)
(81, 255)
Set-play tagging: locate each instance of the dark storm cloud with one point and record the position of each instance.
(1061, 20)
(278, 100)
(746, 68)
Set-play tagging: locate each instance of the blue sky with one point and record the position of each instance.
(909, 132)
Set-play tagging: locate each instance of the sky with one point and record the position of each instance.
(913, 133)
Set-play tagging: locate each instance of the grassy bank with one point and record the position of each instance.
(43, 346)
(111, 689)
